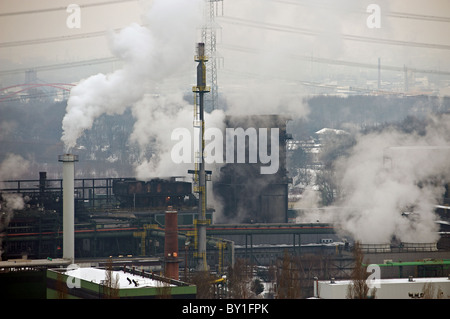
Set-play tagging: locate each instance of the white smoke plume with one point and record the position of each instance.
(12, 167)
(390, 173)
(266, 42)
(154, 56)
(157, 117)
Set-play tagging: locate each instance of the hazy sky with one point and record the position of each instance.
(254, 36)
(47, 19)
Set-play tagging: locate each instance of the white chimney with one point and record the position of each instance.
(68, 185)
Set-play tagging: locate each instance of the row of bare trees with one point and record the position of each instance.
(290, 277)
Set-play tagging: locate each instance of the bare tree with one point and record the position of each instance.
(429, 292)
(205, 284)
(163, 291)
(288, 279)
(61, 286)
(299, 160)
(111, 285)
(310, 266)
(358, 288)
(239, 278)
(326, 182)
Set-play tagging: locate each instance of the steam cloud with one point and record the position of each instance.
(154, 56)
(392, 172)
(156, 53)
(157, 117)
(12, 167)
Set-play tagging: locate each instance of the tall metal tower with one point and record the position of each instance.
(200, 174)
(212, 8)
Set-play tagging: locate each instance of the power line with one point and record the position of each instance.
(233, 48)
(307, 83)
(209, 29)
(418, 17)
(396, 42)
(268, 26)
(308, 32)
(60, 66)
(392, 14)
(338, 62)
(59, 38)
(52, 39)
(7, 14)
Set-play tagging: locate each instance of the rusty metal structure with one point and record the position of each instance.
(154, 193)
(171, 261)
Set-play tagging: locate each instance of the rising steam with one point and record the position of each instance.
(390, 173)
(12, 167)
(153, 56)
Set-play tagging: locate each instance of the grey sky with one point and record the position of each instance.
(253, 35)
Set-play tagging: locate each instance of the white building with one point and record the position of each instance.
(403, 288)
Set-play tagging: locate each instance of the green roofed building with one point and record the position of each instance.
(126, 283)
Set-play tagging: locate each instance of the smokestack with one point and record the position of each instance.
(171, 244)
(200, 177)
(42, 186)
(316, 287)
(405, 71)
(379, 74)
(42, 182)
(68, 161)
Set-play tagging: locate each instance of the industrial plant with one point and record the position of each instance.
(165, 230)
(291, 202)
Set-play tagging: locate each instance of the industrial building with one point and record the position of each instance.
(96, 283)
(404, 288)
(165, 225)
(134, 235)
(26, 278)
(105, 208)
(247, 195)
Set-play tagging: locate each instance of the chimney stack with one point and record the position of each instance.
(171, 244)
(68, 185)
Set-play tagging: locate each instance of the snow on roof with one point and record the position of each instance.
(97, 275)
(330, 130)
(394, 280)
